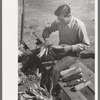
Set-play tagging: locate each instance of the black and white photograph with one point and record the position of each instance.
(56, 49)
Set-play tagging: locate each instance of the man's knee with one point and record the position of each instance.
(69, 60)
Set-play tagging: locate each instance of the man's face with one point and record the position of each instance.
(61, 18)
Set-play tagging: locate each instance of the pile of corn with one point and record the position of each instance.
(73, 77)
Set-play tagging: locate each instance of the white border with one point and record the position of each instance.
(96, 49)
(9, 49)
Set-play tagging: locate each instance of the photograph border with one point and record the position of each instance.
(96, 49)
(1, 49)
(9, 71)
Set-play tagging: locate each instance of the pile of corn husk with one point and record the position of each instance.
(72, 77)
(39, 92)
(21, 50)
(35, 91)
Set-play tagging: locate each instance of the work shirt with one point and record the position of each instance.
(70, 33)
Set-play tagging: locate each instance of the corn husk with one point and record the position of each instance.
(20, 65)
(27, 96)
(42, 52)
(22, 95)
(20, 53)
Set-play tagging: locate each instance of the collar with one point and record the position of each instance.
(70, 21)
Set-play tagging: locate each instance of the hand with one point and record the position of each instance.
(47, 42)
(67, 48)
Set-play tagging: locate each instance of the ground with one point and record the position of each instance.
(40, 13)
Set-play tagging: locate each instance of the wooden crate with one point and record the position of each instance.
(30, 39)
(87, 93)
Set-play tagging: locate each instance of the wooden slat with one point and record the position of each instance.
(38, 33)
(72, 95)
(88, 93)
(87, 74)
(30, 41)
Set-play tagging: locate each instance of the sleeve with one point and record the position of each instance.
(48, 30)
(83, 40)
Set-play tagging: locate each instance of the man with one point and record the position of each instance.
(72, 35)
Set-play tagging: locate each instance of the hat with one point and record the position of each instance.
(63, 9)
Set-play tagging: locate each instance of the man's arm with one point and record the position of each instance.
(48, 30)
(83, 39)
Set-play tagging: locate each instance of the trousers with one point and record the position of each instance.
(62, 64)
(64, 61)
